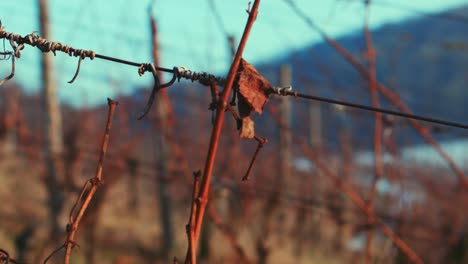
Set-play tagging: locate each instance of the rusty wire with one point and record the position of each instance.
(10, 55)
(45, 46)
(204, 78)
(2, 81)
(18, 43)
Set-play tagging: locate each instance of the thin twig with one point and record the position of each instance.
(377, 131)
(254, 158)
(191, 253)
(95, 183)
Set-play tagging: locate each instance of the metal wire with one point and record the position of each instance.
(287, 91)
(45, 45)
(181, 72)
(202, 77)
(17, 43)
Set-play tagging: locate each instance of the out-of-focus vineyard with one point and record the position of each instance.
(331, 184)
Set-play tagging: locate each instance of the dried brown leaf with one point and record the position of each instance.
(247, 129)
(252, 86)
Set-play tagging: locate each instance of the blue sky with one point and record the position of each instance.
(189, 35)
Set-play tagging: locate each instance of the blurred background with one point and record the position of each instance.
(289, 211)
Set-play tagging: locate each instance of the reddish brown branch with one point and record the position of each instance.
(216, 131)
(191, 257)
(191, 253)
(377, 132)
(254, 158)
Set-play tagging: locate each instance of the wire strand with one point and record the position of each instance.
(375, 109)
(52, 46)
(181, 72)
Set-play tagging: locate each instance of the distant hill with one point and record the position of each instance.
(425, 59)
